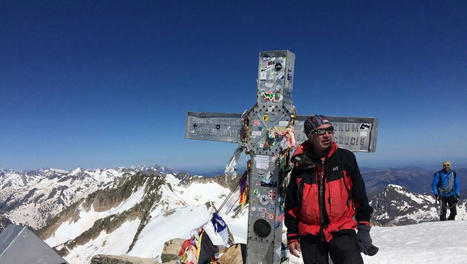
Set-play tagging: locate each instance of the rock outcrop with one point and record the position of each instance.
(108, 259)
(171, 249)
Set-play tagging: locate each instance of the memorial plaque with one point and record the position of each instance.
(353, 133)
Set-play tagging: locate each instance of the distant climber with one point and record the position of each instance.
(326, 200)
(446, 190)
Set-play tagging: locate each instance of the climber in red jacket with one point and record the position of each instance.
(326, 200)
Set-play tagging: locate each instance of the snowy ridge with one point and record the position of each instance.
(398, 206)
(154, 209)
(32, 197)
(86, 219)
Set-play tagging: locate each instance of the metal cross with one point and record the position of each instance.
(262, 133)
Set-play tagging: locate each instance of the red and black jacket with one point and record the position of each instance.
(324, 196)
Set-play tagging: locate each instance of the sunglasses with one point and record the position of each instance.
(321, 131)
(447, 165)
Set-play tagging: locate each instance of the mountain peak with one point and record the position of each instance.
(395, 186)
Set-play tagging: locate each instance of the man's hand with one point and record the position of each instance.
(364, 240)
(294, 248)
(457, 198)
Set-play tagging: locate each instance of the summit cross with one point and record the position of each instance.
(265, 132)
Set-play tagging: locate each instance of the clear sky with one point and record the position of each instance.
(97, 84)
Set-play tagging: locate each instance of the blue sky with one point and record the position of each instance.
(108, 83)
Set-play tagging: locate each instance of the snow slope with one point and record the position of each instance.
(86, 220)
(425, 243)
(434, 242)
(113, 243)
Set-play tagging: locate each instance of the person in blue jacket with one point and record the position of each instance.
(446, 189)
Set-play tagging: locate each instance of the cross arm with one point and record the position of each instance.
(224, 127)
(356, 134)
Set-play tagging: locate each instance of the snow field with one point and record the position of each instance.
(70, 230)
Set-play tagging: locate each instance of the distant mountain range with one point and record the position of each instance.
(396, 205)
(415, 179)
(121, 211)
(32, 197)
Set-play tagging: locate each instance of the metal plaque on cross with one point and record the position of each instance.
(262, 132)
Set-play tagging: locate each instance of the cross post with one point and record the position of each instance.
(262, 132)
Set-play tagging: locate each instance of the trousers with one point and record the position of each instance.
(448, 202)
(343, 249)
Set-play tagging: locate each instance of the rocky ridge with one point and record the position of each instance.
(33, 197)
(396, 205)
(124, 212)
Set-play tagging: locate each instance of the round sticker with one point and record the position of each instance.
(278, 66)
(255, 192)
(270, 216)
(264, 199)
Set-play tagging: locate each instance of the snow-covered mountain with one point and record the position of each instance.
(141, 212)
(398, 206)
(135, 210)
(137, 214)
(33, 197)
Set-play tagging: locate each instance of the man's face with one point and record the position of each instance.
(323, 141)
(446, 167)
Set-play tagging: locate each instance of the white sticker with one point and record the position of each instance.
(280, 75)
(262, 162)
(264, 200)
(283, 123)
(363, 134)
(256, 133)
(262, 75)
(271, 76)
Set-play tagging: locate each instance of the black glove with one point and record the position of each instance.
(364, 240)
